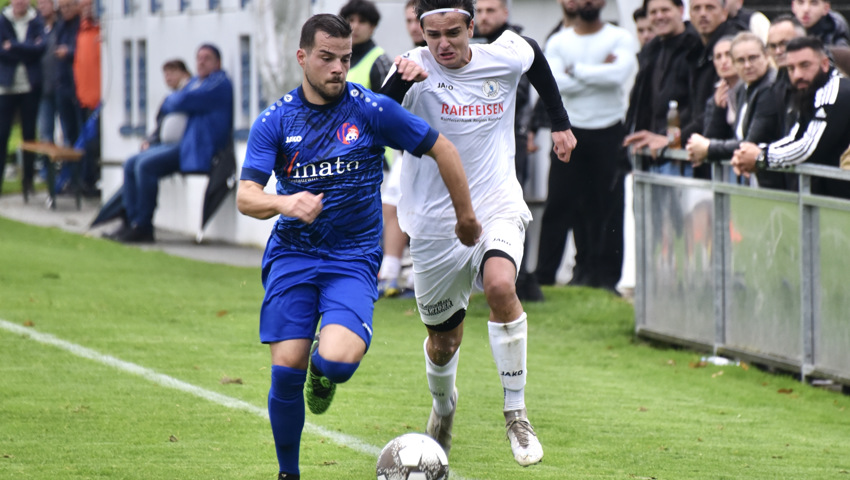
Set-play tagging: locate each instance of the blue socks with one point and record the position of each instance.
(286, 414)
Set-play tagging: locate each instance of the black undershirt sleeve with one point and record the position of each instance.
(540, 76)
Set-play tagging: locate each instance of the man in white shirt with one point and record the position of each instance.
(593, 62)
(468, 92)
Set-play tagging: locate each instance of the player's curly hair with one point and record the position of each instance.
(333, 25)
(423, 6)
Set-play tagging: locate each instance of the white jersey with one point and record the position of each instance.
(473, 106)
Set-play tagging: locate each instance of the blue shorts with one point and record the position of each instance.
(302, 288)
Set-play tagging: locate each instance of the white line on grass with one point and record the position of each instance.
(171, 382)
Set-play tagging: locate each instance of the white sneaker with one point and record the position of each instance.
(440, 428)
(524, 444)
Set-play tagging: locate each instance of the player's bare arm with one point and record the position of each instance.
(251, 200)
(468, 229)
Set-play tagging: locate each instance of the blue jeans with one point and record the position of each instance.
(141, 181)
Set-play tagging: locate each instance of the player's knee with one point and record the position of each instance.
(287, 382)
(499, 290)
(337, 372)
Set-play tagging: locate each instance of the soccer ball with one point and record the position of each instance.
(413, 456)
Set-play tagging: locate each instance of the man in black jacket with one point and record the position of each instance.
(663, 75)
(815, 15)
(822, 130)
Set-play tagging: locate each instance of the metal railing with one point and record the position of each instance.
(749, 273)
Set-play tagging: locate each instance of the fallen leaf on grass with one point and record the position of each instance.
(172, 439)
(700, 364)
(632, 475)
(29, 323)
(409, 312)
(7, 455)
(717, 374)
(785, 390)
(642, 409)
(225, 380)
(671, 362)
(745, 366)
(328, 462)
(221, 313)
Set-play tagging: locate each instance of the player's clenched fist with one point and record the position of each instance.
(303, 205)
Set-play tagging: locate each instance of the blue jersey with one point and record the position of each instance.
(335, 149)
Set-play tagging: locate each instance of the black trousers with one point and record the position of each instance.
(25, 107)
(586, 195)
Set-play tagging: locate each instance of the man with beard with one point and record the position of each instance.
(592, 61)
(822, 130)
(323, 142)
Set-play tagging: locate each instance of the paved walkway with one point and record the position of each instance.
(67, 217)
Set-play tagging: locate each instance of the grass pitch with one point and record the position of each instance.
(604, 405)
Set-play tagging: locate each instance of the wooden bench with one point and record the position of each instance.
(56, 154)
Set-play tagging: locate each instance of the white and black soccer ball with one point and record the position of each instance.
(413, 456)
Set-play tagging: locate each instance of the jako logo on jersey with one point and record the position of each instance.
(348, 133)
(490, 88)
(445, 85)
(294, 139)
(511, 374)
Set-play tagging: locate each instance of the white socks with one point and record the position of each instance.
(508, 343)
(441, 381)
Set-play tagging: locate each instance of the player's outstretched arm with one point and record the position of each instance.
(468, 229)
(252, 201)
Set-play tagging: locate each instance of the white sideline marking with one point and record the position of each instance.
(166, 381)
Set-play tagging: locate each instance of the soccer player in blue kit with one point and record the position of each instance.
(324, 142)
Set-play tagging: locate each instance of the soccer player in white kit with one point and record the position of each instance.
(468, 92)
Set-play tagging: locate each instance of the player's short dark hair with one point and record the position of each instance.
(801, 43)
(639, 13)
(676, 3)
(176, 64)
(333, 25)
(423, 6)
(364, 8)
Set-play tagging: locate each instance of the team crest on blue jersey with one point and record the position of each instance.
(348, 133)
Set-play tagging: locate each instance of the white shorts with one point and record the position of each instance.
(446, 271)
(391, 187)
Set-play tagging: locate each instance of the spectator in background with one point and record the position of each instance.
(47, 105)
(758, 111)
(592, 62)
(21, 48)
(67, 105)
(822, 130)
(783, 29)
(709, 18)
(169, 127)
(723, 102)
(643, 26)
(491, 20)
(369, 63)
(412, 23)
(747, 19)
(663, 75)
(819, 21)
(87, 82)
(207, 102)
